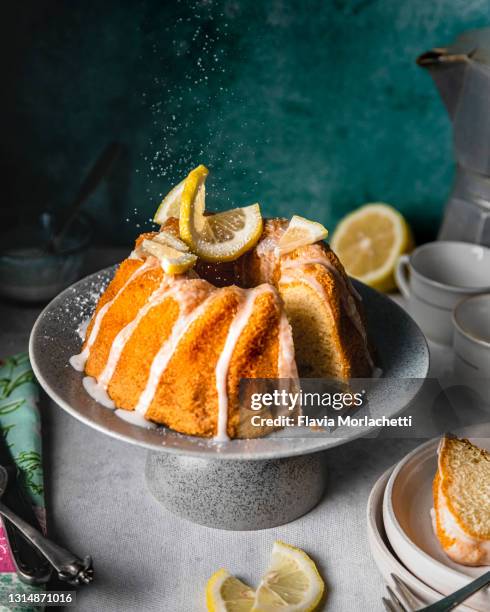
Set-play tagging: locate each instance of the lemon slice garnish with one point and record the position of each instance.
(170, 205)
(171, 260)
(292, 582)
(192, 202)
(164, 237)
(221, 237)
(369, 242)
(225, 593)
(300, 232)
(227, 235)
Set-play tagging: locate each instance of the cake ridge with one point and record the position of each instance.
(188, 313)
(238, 324)
(78, 361)
(161, 293)
(286, 362)
(125, 333)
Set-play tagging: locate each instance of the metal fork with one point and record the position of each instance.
(406, 601)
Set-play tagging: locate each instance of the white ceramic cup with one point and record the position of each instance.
(471, 319)
(438, 275)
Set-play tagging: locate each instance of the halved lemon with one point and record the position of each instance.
(170, 205)
(369, 242)
(300, 232)
(225, 593)
(292, 582)
(172, 260)
(168, 239)
(220, 237)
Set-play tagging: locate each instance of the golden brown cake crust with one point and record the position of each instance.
(185, 396)
(122, 311)
(261, 265)
(185, 399)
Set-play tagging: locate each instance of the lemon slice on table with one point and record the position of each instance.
(292, 582)
(172, 260)
(300, 232)
(220, 237)
(170, 205)
(225, 593)
(369, 242)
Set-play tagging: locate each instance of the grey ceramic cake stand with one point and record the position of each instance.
(234, 494)
(240, 484)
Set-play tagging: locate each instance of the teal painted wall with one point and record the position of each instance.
(307, 107)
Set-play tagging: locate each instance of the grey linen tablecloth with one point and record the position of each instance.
(147, 559)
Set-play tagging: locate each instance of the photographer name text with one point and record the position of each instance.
(303, 420)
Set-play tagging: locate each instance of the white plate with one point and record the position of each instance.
(406, 515)
(385, 560)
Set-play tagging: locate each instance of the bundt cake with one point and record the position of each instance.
(172, 349)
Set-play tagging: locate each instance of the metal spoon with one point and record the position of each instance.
(97, 173)
(70, 568)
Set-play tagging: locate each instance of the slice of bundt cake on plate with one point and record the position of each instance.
(461, 491)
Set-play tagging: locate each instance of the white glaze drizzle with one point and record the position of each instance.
(238, 324)
(266, 245)
(78, 361)
(187, 315)
(135, 418)
(267, 259)
(294, 276)
(263, 250)
(123, 337)
(97, 392)
(346, 292)
(326, 263)
(82, 328)
(286, 366)
(464, 548)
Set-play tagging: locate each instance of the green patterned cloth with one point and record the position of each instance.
(20, 424)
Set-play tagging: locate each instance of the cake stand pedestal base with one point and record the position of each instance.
(237, 495)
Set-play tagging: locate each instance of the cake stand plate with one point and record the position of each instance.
(240, 484)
